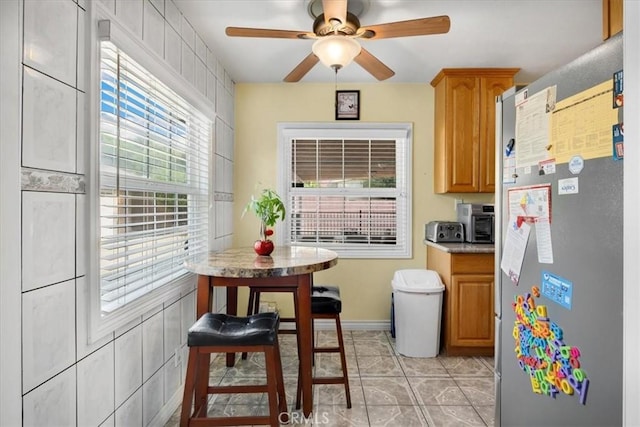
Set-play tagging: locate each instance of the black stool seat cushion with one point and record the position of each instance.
(326, 300)
(217, 329)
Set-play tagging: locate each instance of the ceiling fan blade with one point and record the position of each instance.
(266, 33)
(302, 68)
(373, 65)
(334, 9)
(413, 27)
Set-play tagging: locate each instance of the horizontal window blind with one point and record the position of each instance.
(154, 150)
(348, 194)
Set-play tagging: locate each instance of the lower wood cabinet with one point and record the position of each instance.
(468, 311)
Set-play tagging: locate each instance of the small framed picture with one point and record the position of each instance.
(347, 105)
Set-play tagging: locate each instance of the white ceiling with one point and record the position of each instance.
(534, 35)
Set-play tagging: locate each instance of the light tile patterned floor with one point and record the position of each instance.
(387, 389)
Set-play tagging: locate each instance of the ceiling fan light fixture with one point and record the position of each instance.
(336, 51)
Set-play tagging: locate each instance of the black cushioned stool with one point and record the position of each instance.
(221, 333)
(326, 304)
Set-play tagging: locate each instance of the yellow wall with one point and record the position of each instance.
(365, 285)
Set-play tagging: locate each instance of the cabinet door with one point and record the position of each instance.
(462, 134)
(612, 18)
(490, 87)
(472, 314)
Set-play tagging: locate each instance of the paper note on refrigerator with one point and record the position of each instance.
(515, 246)
(543, 240)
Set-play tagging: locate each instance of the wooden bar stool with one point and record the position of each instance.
(221, 333)
(253, 307)
(326, 304)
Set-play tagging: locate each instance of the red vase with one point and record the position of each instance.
(263, 247)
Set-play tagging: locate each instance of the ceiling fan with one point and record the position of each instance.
(336, 31)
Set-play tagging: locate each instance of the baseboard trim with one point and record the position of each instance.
(347, 325)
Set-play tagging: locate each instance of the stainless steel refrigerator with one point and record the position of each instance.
(560, 365)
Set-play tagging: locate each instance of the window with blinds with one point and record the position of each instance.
(349, 195)
(154, 150)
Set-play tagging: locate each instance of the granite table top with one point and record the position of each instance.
(243, 262)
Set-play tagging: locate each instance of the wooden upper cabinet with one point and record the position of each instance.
(611, 18)
(464, 126)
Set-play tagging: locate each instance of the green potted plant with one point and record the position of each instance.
(269, 208)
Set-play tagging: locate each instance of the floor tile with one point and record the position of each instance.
(466, 366)
(422, 367)
(386, 389)
(452, 416)
(379, 366)
(396, 415)
(437, 391)
(479, 391)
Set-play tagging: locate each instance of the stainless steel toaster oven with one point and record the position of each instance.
(444, 232)
(478, 221)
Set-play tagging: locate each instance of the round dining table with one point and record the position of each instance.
(290, 268)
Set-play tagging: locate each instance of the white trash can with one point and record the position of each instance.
(417, 295)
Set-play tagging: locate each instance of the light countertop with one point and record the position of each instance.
(463, 248)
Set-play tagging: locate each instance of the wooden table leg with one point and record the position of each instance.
(304, 332)
(203, 296)
(232, 309)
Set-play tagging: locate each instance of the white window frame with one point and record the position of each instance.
(401, 132)
(106, 27)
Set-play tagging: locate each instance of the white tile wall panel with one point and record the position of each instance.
(128, 364)
(130, 413)
(109, 422)
(128, 326)
(172, 378)
(219, 71)
(152, 347)
(188, 33)
(152, 397)
(49, 123)
(96, 386)
(201, 49)
(48, 332)
(110, 5)
(82, 4)
(219, 174)
(48, 238)
(188, 63)
(220, 94)
(81, 140)
(201, 76)
(129, 13)
(228, 143)
(228, 176)
(153, 29)
(172, 15)
(219, 136)
(211, 62)
(81, 235)
(187, 315)
(211, 87)
(173, 48)
(229, 219)
(217, 244)
(52, 403)
(81, 75)
(228, 82)
(171, 330)
(84, 347)
(159, 5)
(219, 218)
(50, 38)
